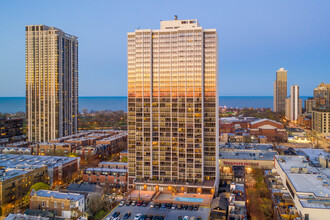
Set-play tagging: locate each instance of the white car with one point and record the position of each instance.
(186, 217)
(152, 204)
(137, 217)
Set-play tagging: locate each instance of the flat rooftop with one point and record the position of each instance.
(106, 170)
(313, 154)
(248, 155)
(11, 173)
(113, 163)
(245, 146)
(24, 217)
(311, 187)
(59, 195)
(247, 152)
(32, 161)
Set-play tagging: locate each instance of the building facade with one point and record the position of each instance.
(322, 95)
(321, 121)
(293, 105)
(173, 104)
(15, 183)
(110, 176)
(11, 127)
(51, 83)
(280, 90)
(65, 205)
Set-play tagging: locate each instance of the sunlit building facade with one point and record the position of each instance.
(173, 107)
(51, 83)
(280, 90)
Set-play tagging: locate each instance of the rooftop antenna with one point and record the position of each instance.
(138, 28)
(175, 17)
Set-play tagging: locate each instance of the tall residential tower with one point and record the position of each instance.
(293, 107)
(173, 107)
(280, 90)
(51, 83)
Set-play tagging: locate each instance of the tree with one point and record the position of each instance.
(35, 187)
(95, 203)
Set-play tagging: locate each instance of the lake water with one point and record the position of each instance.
(15, 104)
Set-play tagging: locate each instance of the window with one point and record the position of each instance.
(55, 204)
(43, 203)
(62, 205)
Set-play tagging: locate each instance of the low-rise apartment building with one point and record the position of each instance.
(115, 177)
(64, 205)
(60, 169)
(16, 182)
(51, 149)
(113, 165)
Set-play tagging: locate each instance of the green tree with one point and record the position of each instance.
(35, 187)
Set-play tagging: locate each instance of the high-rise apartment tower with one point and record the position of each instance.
(280, 90)
(51, 83)
(173, 107)
(293, 106)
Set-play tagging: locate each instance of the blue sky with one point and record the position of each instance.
(256, 37)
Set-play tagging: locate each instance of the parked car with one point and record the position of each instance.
(156, 217)
(163, 206)
(127, 215)
(162, 217)
(133, 203)
(122, 203)
(139, 203)
(128, 202)
(180, 217)
(149, 217)
(137, 216)
(199, 218)
(144, 204)
(174, 206)
(179, 207)
(168, 205)
(192, 218)
(116, 214)
(191, 208)
(196, 208)
(157, 206)
(186, 217)
(143, 217)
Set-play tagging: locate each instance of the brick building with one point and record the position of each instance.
(60, 169)
(271, 129)
(65, 205)
(15, 183)
(102, 176)
(113, 165)
(50, 149)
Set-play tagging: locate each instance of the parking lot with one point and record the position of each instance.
(168, 213)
